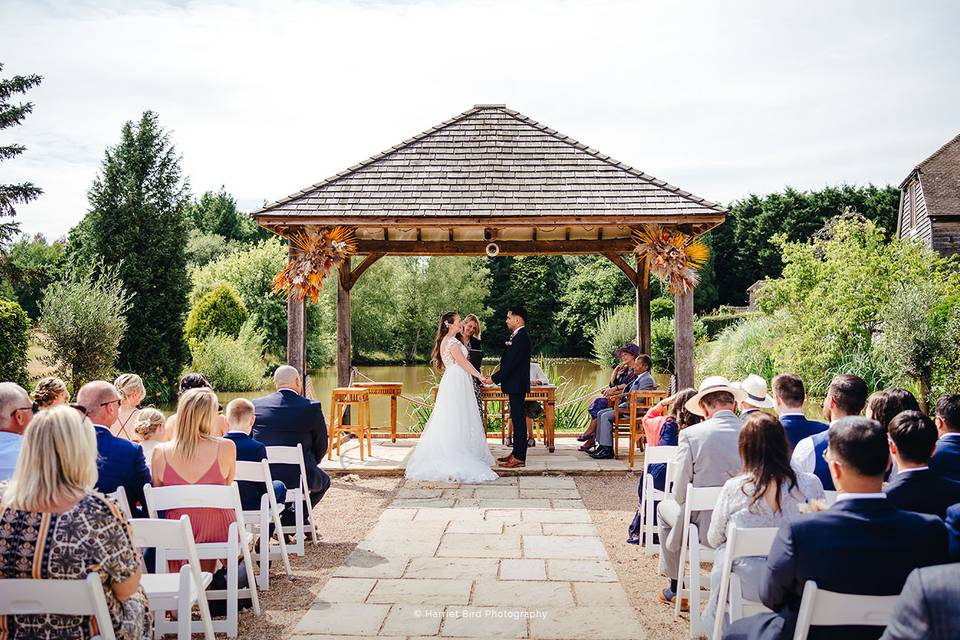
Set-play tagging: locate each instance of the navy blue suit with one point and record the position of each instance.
(286, 419)
(946, 457)
(513, 376)
(861, 546)
(953, 530)
(821, 469)
(923, 491)
(799, 427)
(120, 463)
(249, 450)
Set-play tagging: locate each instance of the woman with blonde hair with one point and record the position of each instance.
(132, 393)
(50, 392)
(470, 335)
(197, 456)
(148, 429)
(53, 526)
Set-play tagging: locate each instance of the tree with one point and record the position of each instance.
(216, 213)
(82, 319)
(14, 340)
(136, 224)
(32, 264)
(11, 115)
(219, 311)
(595, 286)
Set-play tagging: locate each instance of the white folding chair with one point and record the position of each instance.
(831, 497)
(299, 496)
(171, 591)
(24, 596)
(821, 608)
(211, 496)
(650, 495)
(698, 499)
(120, 497)
(258, 522)
(741, 543)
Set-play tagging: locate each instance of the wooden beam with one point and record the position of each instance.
(683, 340)
(642, 284)
(356, 272)
(507, 247)
(296, 330)
(622, 264)
(344, 333)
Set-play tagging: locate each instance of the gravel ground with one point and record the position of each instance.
(345, 515)
(612, 502)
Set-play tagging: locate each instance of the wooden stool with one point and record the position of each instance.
(345, 398)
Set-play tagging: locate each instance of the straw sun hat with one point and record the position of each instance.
(756, 389)
(712, 384)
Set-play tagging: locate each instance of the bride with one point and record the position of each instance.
(453, 445)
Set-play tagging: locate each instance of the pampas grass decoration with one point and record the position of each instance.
(674, 257)
(319, 251)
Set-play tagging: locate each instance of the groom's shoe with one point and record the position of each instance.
(505, 458)
(513, 463)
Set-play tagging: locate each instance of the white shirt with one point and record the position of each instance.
(861, 496)
(950, 434)
(537, 375)
(512, 335)
(804, 456)
(793, 413)
(9, 452)
(900, 472)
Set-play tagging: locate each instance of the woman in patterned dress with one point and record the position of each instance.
(53, 526)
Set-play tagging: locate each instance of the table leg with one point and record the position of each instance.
(548, 424)
(393, 418)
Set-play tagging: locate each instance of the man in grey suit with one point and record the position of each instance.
(708, 456)
(927, 607)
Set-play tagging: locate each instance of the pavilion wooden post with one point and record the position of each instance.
(296, 331)
(344, 334)
(642, 285)
(683, 340)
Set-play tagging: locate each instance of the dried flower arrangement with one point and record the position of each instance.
(676, 258)
(319, 251)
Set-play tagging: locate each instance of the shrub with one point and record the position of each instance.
(739, 350)
(661, 344)
(231, 364)
(715, 323)
(83, 319)
(661, 308)
(14, 338)
(614, 328)
(220, 310)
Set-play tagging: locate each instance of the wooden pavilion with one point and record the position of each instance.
(492, 176)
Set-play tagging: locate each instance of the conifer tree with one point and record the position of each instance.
(11, 115)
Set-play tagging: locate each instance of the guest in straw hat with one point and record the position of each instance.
(757, 398)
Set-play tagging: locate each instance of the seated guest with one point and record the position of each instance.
(946, 459)
(240, 417)
(707, 458)
(121, 462)
(927, 606)
(643, 382)
(662, 431)
(131, 389)
(788, 398)
(623, 374)
(54, 526)
(764, 495)
(883, 406)
(50, 392)
(187, 382)
(757, 398)
(953, 529)
(861, 545)
(197, 456)
(148, 430)
(846, 397)
(286, 419)
(913, 437)
(16, 411)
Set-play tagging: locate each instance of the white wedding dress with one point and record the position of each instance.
(453, 445)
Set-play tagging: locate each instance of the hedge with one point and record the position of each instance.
(14, 338)
(715, 324)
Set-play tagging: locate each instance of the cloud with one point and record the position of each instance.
(722, 99)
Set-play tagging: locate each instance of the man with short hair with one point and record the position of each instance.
(913, 437)
(861, 545)
(286, 419)
(789, 395)
(642, 364)
(240, 418)
(513, 376)
(120, 463)
(16, 411)
(846, 396)
(946, 459)
(708, 456)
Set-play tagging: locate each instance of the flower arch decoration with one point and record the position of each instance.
(674, 257)
(319, 251)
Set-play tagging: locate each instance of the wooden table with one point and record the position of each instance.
(391, 389)
(545, 394)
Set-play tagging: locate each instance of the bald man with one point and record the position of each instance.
(120, 463)
(286, 418)
(16, 411)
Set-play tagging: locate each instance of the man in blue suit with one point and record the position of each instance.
(846, 396)
(789, 396)
(953, 531)
(946, 459)
(120, 463)
(286, 419)
(513, 376)
(913, 437)
(240, 419)
(861, 545)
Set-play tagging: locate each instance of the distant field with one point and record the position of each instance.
(36, 368)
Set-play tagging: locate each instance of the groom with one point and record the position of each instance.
(513, 376)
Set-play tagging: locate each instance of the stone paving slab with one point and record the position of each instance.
(516, 559)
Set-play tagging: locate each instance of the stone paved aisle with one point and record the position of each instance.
(518, 558)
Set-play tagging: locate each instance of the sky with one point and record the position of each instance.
(722, 99)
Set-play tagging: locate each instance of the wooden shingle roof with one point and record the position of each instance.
(492, 162)
(939, 177)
